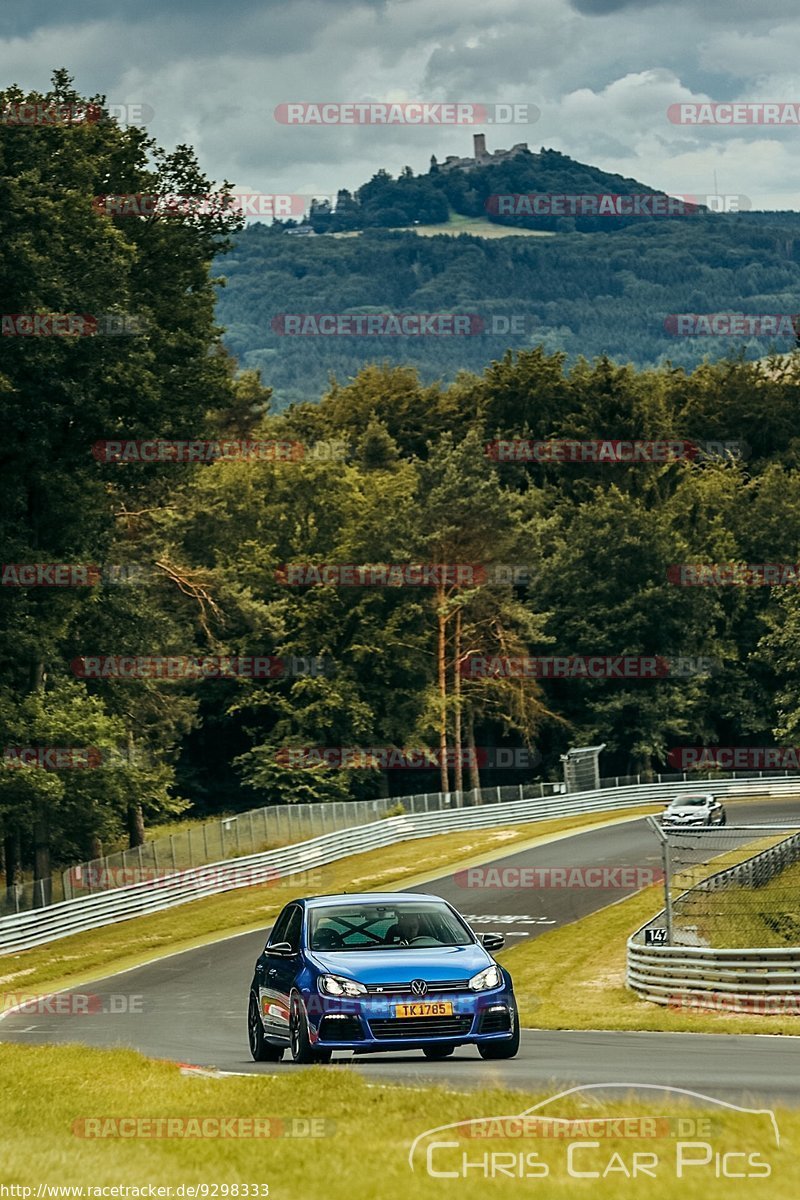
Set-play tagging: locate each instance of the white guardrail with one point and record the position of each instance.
(25, 930)
(745, 978)
(673, 975)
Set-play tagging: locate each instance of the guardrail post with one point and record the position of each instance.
(666, 862)
(667, 858)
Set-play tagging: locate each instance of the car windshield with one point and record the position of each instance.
(690, 802)
(357, 926)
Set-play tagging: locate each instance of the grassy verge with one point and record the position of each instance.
(89, 955)
(574, 978)
(367, 1132)
(478, 226)
(165, 828)
(742, 916)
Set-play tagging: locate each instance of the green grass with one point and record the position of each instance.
(86, 956)
(368, 1132)
(574, 978)
(165, 828)
(742, 916)
(188, 842)
(478, 226)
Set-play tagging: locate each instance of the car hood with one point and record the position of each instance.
(688, 811)
(401, 966)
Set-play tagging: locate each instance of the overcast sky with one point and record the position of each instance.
(602, 72)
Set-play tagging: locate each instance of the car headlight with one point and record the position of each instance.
(492, 977)
(337, 985)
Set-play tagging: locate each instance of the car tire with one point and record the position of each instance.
(302, 1050)
(260, 1049)
(437, 1052)
(508, 1048)
(723, 819)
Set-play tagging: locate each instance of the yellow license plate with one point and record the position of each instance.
(441, 1008)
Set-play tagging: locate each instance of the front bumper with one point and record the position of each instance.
(370, 1024)
(692, 823)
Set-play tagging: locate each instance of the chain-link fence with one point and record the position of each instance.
(728, 886)
(279, 825)
(244, 833)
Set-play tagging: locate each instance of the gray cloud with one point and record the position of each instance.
(603, 85)
(599, 8)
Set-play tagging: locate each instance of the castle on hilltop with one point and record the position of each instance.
(481, 157)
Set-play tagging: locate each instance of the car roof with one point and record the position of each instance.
(377, 897)
(691, 796)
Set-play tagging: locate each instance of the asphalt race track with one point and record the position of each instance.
(190, 1007)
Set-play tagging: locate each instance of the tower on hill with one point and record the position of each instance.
(481, 157)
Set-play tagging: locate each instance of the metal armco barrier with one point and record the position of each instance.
(34, 928)
(673, 975)
(716, 977)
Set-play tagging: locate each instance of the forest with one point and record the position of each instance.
(614, 293)
(125, 553)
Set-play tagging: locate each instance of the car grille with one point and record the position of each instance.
(421, 1027)
(496, 1021)
(344, 1028)
(404, 989)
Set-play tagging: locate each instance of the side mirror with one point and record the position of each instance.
(492, 941)
(283, 949)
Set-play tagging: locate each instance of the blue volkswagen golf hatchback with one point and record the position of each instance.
(376, 972)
